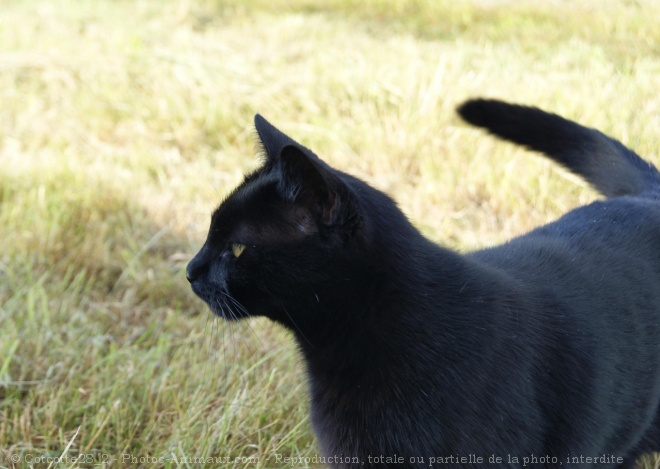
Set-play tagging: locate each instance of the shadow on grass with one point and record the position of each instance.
(102, 337)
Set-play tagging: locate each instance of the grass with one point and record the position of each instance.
(122, 124)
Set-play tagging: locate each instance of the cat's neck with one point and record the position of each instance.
(422, 299)
(407, 351)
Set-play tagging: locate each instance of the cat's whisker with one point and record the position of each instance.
(236, 303)
(302, 334)
(224, 332)
(228, 346)
(230, 328)
(226, 310)
(243, 310)
(230, 310)
(210, 329)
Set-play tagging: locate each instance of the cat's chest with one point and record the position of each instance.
(348, 419)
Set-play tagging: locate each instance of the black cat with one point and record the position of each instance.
(542, 352)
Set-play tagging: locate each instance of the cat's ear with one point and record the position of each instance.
(305, 181)
(272, 139)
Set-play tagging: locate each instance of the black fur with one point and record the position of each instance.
(545, 347)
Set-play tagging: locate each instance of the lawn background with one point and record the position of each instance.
(123, 124)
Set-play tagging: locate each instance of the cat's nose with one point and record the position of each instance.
(190, 276)
(196, 267)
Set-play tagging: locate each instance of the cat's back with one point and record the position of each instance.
(615, 234)
(593, 271)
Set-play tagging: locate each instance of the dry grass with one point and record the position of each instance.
(122, 124)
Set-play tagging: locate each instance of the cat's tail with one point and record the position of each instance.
(607, 164)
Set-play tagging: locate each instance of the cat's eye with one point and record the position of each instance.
(237, 249)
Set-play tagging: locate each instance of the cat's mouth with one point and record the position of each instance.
(221, 303)
(228, 308)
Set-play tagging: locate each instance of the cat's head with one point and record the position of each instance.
(290, 240)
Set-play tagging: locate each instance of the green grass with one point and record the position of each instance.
(122, 125)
